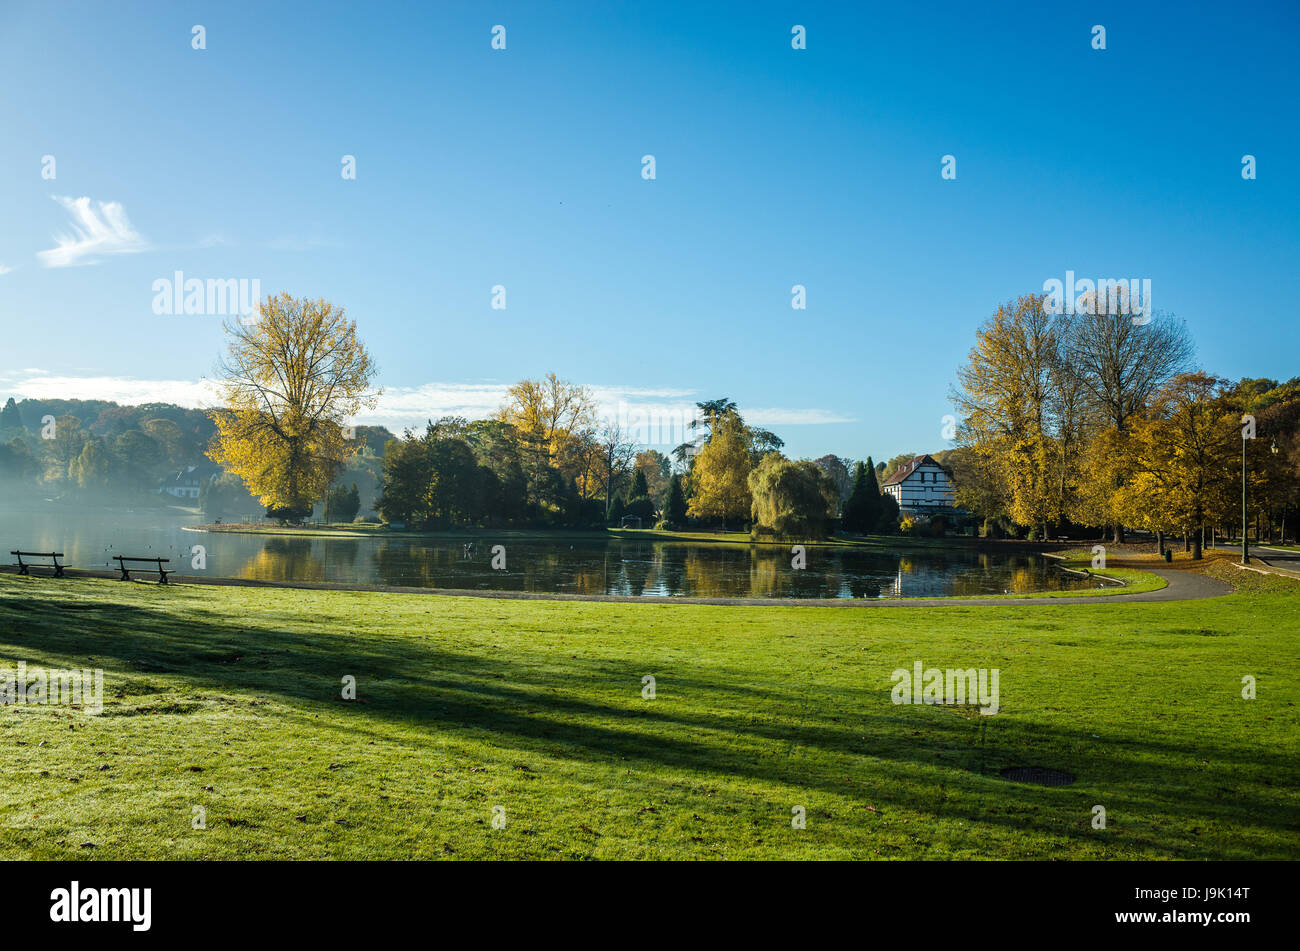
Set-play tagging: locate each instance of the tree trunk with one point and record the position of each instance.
(1160, 543)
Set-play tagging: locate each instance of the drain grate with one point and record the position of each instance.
(1037, 775)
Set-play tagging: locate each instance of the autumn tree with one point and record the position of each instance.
(549, 415)
(1006, 397)
(1182, 453)
(1119, 364)
(291, 381)
(720, 472)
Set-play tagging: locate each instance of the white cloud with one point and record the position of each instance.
(125, 390)
(5, 270)
(95, 232)
(657, 416)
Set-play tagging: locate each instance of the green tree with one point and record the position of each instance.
(141, 458)
(342, 503)
(639, 503)
(675, 503)
(434, 481)
(17, 464)
(791, 499)
(92, 470)
(888, 515)
(863, 508)
(10, 419)
(639, 487)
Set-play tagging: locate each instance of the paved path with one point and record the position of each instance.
(1279, 559)
(1182, 586)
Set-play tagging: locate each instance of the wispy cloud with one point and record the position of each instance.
(4, 270)
(295, 243)
(101, 230)
(778, 416)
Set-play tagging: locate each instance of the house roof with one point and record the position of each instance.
(908, 468)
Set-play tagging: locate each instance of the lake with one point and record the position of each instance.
(89, 539)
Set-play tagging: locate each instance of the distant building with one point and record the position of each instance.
(921, 487)
(187, 483)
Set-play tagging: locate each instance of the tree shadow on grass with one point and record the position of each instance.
(872, 750)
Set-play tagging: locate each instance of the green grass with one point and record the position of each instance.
(228, 698)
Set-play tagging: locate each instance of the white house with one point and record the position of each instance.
(921, 487)
(186, 483)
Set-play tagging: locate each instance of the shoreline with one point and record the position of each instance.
(1178, 585)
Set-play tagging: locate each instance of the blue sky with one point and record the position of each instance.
(522, 168)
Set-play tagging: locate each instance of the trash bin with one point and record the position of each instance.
(1169, 554)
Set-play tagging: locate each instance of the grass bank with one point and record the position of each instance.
(228, 700)
(741, 539)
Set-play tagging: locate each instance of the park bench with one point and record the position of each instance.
(25, 569)
(126, 576)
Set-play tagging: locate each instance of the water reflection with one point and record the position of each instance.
(617, 567)
(644, 568)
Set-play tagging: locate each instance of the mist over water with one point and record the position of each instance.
(90, 537)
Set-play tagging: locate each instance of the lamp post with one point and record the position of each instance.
(1273, 447)
(1245, 540)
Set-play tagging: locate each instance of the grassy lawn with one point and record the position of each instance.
(229, 699)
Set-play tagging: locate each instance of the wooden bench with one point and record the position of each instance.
(25, 569)
(126, 576)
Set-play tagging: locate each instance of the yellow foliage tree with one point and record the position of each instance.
(291, 381)
(556, 423)
(1009, 396)
(720, 474)
(1182, 456)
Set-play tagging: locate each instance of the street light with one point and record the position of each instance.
(1245, 541)
(1247, 433)
(1275, 451)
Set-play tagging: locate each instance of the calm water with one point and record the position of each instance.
(90, 539)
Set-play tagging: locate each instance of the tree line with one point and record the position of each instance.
(1098, 422)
